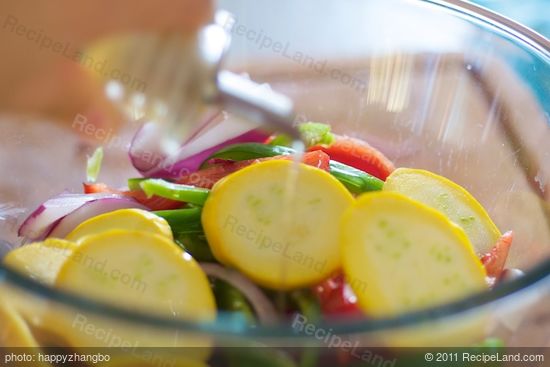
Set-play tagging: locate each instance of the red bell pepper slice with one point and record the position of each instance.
(358, 154)
(153, 203)
(495, 260)
(336, 298)
(207, 177)
(96, 188)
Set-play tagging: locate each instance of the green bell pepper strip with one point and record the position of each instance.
(308, 306)
(312, 133)
(196, 245)
(246, 151)
(356, 181)
(93, 165)
(281, 139)
(182, 220)
(188, 232)
(229, 298)
(133, 183)
(172, 191)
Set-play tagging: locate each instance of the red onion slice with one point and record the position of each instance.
(40, 221)
(191, 164)
(260, 303)
(145, 152)
(148, 157)
(212, 118)
(91, 209)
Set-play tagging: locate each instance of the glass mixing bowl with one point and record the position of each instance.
(441, 85)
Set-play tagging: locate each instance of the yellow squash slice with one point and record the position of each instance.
(277, 222)
(400, 255)
(130, 219)
(40, 260)
(141, 270)
(14, 331)
(449, 198)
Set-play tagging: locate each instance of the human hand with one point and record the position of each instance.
(36, 38)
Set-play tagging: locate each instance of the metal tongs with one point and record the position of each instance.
(236, 93)
(185, 78)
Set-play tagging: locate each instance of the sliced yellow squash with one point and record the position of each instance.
(450, 199)
(130, 219)
(400, 255)
(141, 270)
(40, 260)
(16, 336)
(277, 222)
(14, 331)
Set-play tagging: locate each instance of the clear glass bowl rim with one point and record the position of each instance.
(538, 277)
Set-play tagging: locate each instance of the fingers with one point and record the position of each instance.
(38, 41)
(111, 17)
(86, 20)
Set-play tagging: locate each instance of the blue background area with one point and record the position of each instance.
(536, 15)
(532, 13)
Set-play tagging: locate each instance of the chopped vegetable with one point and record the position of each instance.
(308, 306)
(358, 154)
(306, 303)
(153, 203)
(260, 303)
(400, 255)
(40, 260)
(312, 133)
(314, 159)
(150, 160)
(495, 260)
(279, 139)
(138, 270)
(191, 164)
(15, 333)
(99, 188)
(172, 191)
(247, 151)
(93, 165)
(91, 209)
(355, 180)
(196, 245)
(278, 244)
(130, 219)
(337, 298)
(208, 177)
(40, 222)
(135, 270)
(273, 237)
(228, 298)
(133, 183)
(450, 199)
(315, 133)
(145, 151)
(182, 220)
